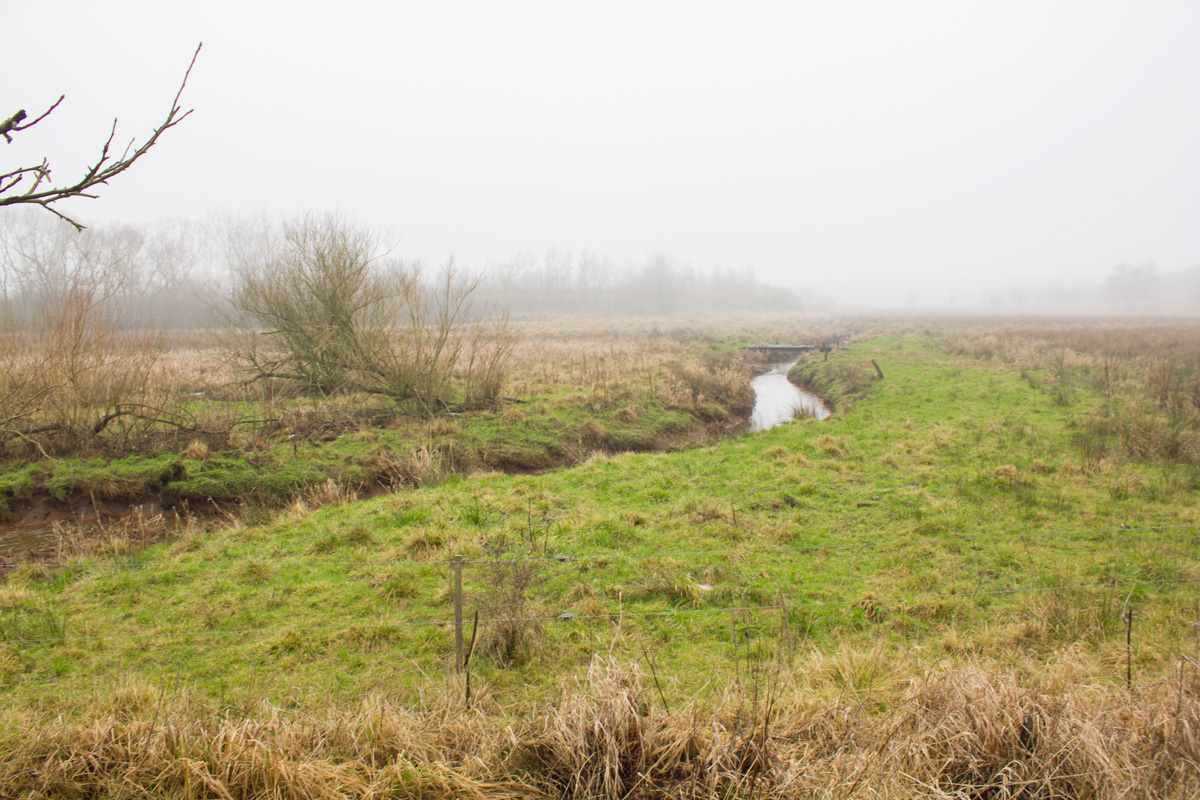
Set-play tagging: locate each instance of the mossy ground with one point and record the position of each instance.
(904, 523)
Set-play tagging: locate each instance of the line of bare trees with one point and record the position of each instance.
(181, 274)
(147, 277)
(563, 282)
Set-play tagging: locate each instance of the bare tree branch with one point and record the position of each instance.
(104, 170)
(9, 125)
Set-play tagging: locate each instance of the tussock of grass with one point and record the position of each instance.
(424, 543)
(954, 732)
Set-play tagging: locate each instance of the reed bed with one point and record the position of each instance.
(949, 733)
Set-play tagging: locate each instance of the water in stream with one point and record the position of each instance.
(777, 400)
(39, 531)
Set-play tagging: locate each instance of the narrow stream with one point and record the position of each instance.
(777, 400)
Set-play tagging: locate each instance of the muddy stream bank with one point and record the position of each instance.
(36, 531)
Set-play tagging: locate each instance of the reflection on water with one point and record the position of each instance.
(777, 400)
(41, 536)
(26, 539)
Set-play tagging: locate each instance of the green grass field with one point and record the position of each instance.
(939, 519)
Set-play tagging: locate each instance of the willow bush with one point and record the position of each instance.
(325, 311)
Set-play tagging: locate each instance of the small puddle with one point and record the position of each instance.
(37, 534)
(777, 400)
(17, 541)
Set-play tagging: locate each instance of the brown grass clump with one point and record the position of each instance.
(424, 543)
(116, 538)
(422, 467)
(374, 751)
(196, 450)
(954, 733)
(329, 493)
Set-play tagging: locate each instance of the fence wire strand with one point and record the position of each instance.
(570, 617)
(569, 558)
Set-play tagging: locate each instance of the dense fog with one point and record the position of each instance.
(649, 159)
(179, 274)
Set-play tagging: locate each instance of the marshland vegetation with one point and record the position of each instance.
(320, 360)
(928, 594)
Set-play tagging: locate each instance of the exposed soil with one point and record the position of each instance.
(27, 535)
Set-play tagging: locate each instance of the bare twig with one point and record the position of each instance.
(466, 665)
(11, 124)
(104, 170)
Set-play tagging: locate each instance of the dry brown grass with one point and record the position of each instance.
(119, 537)
(137, 747)
(613, 357)
(950, 733)
(58, 383)
(1148, 373)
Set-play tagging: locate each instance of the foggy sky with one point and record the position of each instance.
(886, 153)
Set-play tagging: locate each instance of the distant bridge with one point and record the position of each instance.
(784, 350)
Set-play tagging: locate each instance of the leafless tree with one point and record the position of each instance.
(32, 185)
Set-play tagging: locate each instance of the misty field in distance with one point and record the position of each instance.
(943, 573)
(683, 402)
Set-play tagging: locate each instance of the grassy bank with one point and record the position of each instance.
(949, 551)
(538, 434)
(569, 394)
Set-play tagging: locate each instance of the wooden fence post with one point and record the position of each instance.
(1129, 649)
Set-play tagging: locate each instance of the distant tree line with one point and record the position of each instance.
(179, 274)
(1127, 287)
(563, 282)
(143, 276)
(184, 274)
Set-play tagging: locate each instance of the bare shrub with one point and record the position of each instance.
(489, 353)
(509, 635)
(326, 311)
(69, 368)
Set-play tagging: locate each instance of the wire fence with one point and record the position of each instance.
(456, 563)
(617, 615)
(610, 556)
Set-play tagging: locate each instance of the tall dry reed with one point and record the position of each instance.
(952, 733)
